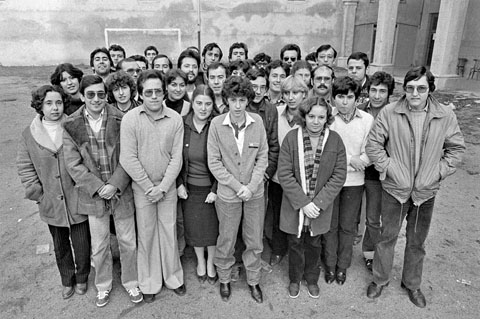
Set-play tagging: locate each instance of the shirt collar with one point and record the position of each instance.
(163, 113)
(90, 118)
(248, 119)
(356, 113)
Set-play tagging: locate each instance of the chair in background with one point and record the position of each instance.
(461, 66)
(475, 69)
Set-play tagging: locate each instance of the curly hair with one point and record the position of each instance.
(38, 96)
(307, 105)
(384, 78)
(119, 79)
(236, 86)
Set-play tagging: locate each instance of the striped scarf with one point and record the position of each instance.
(99, 148)
(312, 161)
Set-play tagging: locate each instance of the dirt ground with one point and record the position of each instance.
(30, 285)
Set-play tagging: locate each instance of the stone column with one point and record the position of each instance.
(448, 37)
(349, 11)
(385, 38)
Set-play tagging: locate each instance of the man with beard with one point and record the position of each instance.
(101, 62)
(188, 62)
(322, 79)
(69, 77)
(117, 53)
(217, 74)
(357, 66)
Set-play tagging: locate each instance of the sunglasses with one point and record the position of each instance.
(420, 89)
(91, 95)
(289, 58)
(149, 93)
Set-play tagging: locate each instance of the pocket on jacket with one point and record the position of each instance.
(398, 174)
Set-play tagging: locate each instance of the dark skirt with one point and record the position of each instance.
(200, 218)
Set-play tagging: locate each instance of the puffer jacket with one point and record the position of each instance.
(391, 146)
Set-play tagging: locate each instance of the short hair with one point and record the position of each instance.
(344, 84)
(215, 66)
(119, 79)
(325, 47)
(158, 56)
(239, 65)
(292, 83)
(88, 80)
(148, 75)
(291, 47)
(173, 74)
(188, 53)
(38, 96)
(238, 45)
(307, 105)
(416, 73)
(57, 76)
(253, 74)
(103, 50)
(117, 47)
(140, 58)
(359, 56)
(312, 56)
(381, 77)
(203, 89)
(210, 47)
(262, 57)
(193, 48)
(238, 86)
(325, 67)
(300, 64)
(149, 48)
(121, 62)
(277, 64)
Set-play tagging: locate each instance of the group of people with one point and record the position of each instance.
(200, 154)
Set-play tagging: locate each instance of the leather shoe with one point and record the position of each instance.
(329, 277)
(256, 293)
(67, 292)
(180, 290)
(149, 298)
(275, 260)
(416, 296)
(202, 278)
(212, 280)
(225, 291)
(81, 289)
(374, 290)
(341, 276)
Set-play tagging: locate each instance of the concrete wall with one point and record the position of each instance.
(470, 46)
(53, 31)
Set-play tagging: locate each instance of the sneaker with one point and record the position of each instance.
(135, 295)
(294, 290)
(102, 298)
(313, 291)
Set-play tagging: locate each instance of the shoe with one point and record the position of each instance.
(148, 298)
(67, 292)
(202, 278)
(102, 298)
(369, 264)
(225, 291)
(313, 291)
(416, 296)
(374, 290)
(181, 291)
(275, 260)
(212, 280)
(266, 267)
(135, 294)
(341, 276)
(256, 293)
(294, 290)
(81, 289)
(329, 277)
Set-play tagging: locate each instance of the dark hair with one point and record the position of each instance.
(291, 47)
(89, 80)
(416, 73)
(116, 47)
(149, 48)
(384, 78)
(262, 57)
(344, 84)
(277, 64)
(173, 74)
(158, 56)
(359, 56)
(300, 64)
(311, 57)
(188, 54)
(121, 62)
(203, 89)
(325, 67)
(325, 47)
(210, 47)
(193, 48)
(38, 96)
(238, 45)
(103, 50)
(239, 65)
(253, 74)
(147, 75)
(307, 105)
(238, 86)
(118, 79)
(57, 76)
(140, 58)
(215, 66)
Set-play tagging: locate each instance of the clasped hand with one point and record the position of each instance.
(311, 210)
(107, 191)
(244, 193)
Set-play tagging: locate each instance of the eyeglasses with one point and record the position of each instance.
(322, 78)
(420, 89)
(289, 58)
(132, 71)
(91, 95)
(149, 93)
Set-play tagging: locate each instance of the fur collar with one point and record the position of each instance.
(40, 134)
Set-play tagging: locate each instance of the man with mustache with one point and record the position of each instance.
(322, 79)
(101, 62)
(188, 62)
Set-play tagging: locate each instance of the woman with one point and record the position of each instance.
(312, 168)
(69, 78)
(176, 88)
(197, 186)
(40, 163)
(162, 63)
(121, 91)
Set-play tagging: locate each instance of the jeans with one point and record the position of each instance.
(229, 218)
(418, 224)
(304, 254)
(279, 238)
(373, 193)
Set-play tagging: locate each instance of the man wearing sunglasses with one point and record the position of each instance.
(290, 54)
(151, 137)
(415, 143)
(92, 150)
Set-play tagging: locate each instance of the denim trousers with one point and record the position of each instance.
(373, 195)
(251, 214)
(338, 241)
(303, 257)
(279, 238)
(418, 224)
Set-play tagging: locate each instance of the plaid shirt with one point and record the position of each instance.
(99, 148)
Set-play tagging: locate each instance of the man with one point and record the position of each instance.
(217, 74)
(261, 60)
(311, 58)
(381, 87)
(131, 67)
(149, 53)
(239, 68)
(188, 62)
(92, 150)
(211, 53)
(277, 73)
(326, 55)
(238, 157)
(142, 62)
(290, 54)
(122, 90)
(322, 79)
(357, 66)
(117, 54)
(238, 51)
(101, 62)
(151, 137)
(415, 144)
(303, 70)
